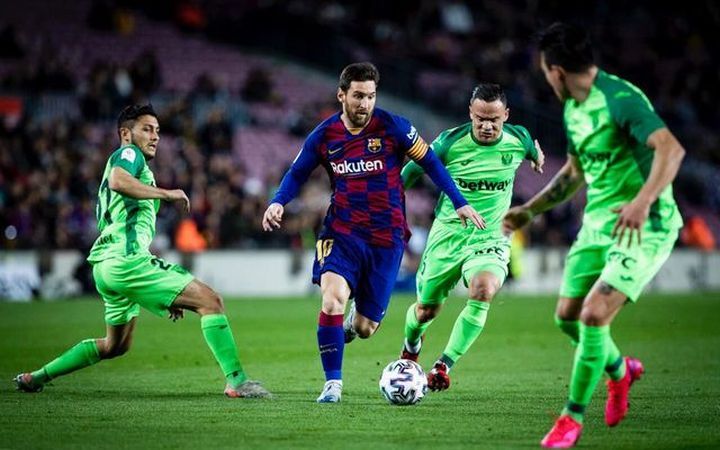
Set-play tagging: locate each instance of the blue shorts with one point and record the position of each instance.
(369, 270)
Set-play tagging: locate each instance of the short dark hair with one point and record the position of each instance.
(362, 71)
(488, 92)
(130, 114)
(568, 46)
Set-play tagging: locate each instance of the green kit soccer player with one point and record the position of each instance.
(482, 157)
(128, 276)
(624, 153)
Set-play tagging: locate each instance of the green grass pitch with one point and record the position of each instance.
(167, 391)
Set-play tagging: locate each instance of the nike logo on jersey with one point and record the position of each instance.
(332, 151)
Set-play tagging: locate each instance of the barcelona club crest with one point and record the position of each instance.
(374, 145)
(507, 159)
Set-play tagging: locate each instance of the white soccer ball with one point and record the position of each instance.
(403, 382)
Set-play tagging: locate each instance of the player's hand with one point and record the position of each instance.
(516, 218)
(468, 212)
(178, 195)
(272, 217)
(175, 314)
(631, 218)
(537, 164)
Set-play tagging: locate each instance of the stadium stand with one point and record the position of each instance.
(233, 116)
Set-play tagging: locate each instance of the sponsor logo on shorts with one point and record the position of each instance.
(484, 185)
(627, 262)
(499, 251)
(357, 167)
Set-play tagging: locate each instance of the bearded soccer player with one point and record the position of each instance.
(482, 157)
(627, 157)
(127, 276)
(359, 250)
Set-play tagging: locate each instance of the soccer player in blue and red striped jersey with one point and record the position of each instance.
(359, 250)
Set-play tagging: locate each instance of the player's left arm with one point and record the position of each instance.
(422, 154)
(412, 171)
(634, 113)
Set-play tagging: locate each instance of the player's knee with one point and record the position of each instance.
(332, 301)
(366, 329)
(110, 350)
(482, 290)
(212, 304)
(591, 316)
(426, 313)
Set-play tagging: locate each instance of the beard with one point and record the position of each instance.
(356, 119)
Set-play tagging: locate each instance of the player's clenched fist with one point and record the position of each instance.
(178, 195)
(272, 217)
(516, 218)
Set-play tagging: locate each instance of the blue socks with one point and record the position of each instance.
(331, 343)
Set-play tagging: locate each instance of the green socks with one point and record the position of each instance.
(569, 327)
(82, 355)
(219, 338)
(590, 357)
(615, 364)
(413, 328)
(466, 330)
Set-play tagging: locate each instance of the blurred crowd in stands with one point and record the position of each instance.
(50, 169)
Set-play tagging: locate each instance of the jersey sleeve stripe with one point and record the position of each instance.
(418, 150)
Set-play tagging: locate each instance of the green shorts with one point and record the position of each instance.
(597, 255)
(126, 284)
(453, 253)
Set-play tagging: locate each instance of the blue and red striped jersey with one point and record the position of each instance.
(368, 199)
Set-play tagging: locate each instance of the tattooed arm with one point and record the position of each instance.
(561, 188)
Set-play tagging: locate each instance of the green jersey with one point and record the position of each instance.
(608, 134)
(484, 173)
(126, 225)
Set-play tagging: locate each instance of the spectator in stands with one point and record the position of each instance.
(258, 86)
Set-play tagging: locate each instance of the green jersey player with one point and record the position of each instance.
(482, 157)
(624, 153)
(127, 276)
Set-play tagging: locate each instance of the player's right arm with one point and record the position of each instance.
(562, 187)
(305, 162)
(123, 183)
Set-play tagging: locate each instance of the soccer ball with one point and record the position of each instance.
(403, 382)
